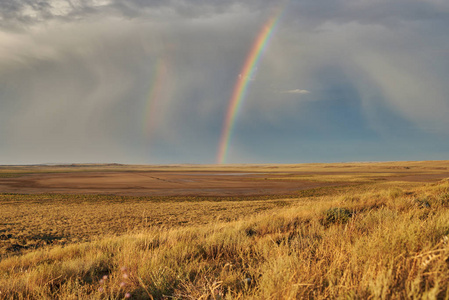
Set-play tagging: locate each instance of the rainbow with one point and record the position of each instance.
(156, 93)
(241, 86)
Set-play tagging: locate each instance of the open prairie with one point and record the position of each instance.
(200, 180)
(354, 230)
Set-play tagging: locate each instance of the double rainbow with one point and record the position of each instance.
(241, 86)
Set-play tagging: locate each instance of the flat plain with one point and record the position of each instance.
(342, 230)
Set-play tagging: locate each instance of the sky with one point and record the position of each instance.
(152, 81)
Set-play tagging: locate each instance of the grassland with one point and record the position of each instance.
(380, 239)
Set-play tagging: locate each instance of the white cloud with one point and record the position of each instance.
(296, 91)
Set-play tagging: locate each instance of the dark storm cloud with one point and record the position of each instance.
(312, 13)
(18, 13)
(381, 12)
(76, 79)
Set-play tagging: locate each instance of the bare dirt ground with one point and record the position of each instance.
(208, 180)
(156, 183)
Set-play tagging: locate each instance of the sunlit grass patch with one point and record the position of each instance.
(356, 177)
(378, 241)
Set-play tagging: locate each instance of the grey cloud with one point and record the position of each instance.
(308, 13)
(26, 11)
(15, 14)
(80, 85)
(385, 13)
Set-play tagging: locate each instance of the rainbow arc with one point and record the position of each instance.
(241, 86)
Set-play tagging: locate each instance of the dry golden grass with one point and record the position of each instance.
(33, 221)
(380, 240)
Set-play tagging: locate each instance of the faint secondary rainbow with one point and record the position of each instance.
(241, 86)
(156, 93)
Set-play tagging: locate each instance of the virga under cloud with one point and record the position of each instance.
(150, 81)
